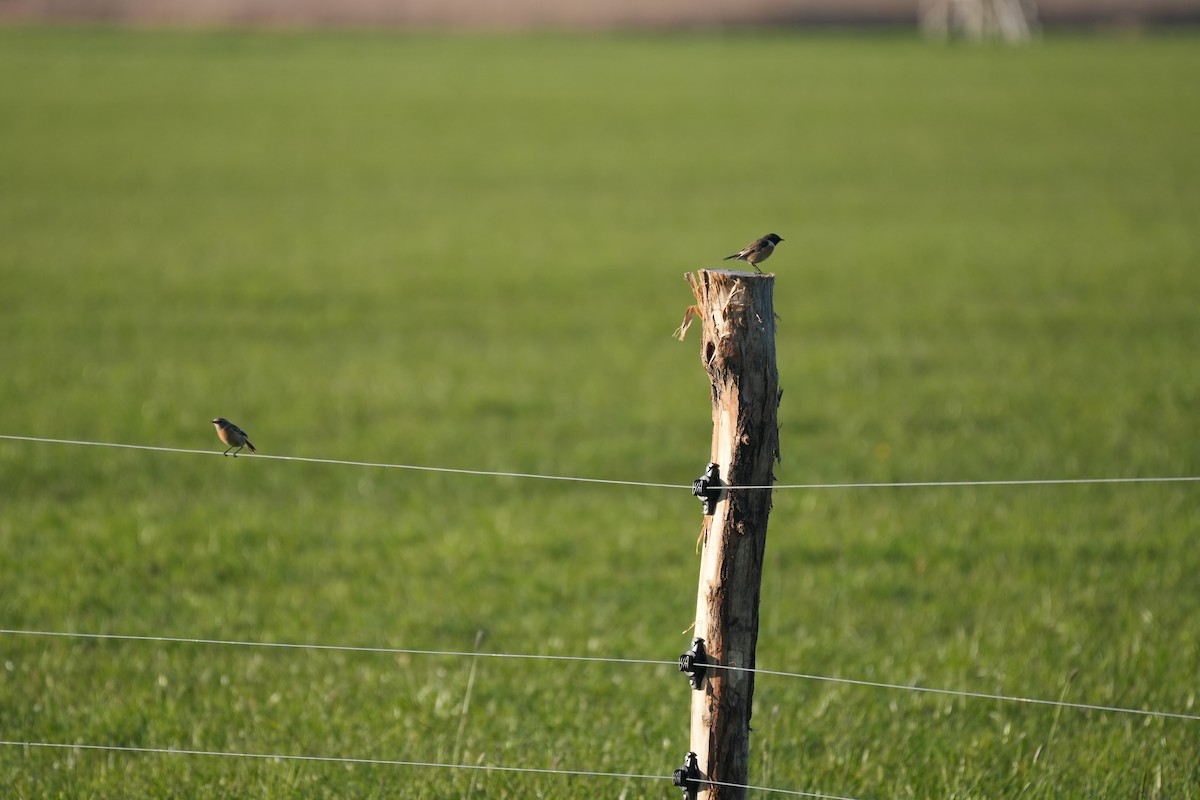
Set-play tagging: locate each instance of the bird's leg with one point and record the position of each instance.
(227, 449)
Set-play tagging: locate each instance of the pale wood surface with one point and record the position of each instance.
(737, 349)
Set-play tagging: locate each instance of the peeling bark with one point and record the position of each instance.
(737, 348)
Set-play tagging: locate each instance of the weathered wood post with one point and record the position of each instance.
(737, 348)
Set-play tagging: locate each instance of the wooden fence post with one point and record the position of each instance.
(737, 348)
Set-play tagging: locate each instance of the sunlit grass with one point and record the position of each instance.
(468, 252)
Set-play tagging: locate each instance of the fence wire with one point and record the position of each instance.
(552, 657)
(608, 660)
(397, 763)
(613, 482)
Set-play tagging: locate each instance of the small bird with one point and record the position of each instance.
(757, 251)
(233, 436)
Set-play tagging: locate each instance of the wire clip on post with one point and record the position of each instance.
(694, 663)
(708, 488)
(688, 776)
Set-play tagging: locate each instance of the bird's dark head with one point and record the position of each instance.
(220, 422)
(773, 238)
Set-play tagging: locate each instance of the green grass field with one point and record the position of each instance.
(467, 251)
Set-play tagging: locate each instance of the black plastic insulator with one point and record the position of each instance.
(688, 776)
(694, 663)
(708, 488)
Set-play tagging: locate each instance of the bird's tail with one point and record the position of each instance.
(250, 446)
(735, 255)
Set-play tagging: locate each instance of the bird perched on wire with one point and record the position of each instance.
(757, 251)
(233, 436)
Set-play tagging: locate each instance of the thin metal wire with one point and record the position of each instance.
(342, 462)
(647, 484)
(962, 693)
(396, 763)
(607, 660)
(336, 647)
(1000, 482)
(336, 759)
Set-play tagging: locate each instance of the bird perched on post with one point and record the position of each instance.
(233, 436)
(757, 251)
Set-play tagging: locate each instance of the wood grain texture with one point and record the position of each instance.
(737, 349)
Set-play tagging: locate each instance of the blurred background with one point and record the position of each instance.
(614, 13)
